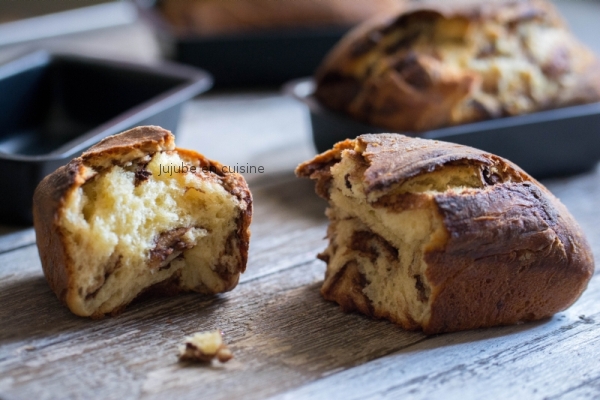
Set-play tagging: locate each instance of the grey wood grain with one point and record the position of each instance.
(548, 359)
(287, 341)
(281, 331)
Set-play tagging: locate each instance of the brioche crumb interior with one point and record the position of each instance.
(396, 283)
(128, 230)
(208, 342)
(205, 346)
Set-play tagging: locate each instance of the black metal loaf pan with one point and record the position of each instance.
(549, 143)
(261, 58)
(257, 58)
(53, 107)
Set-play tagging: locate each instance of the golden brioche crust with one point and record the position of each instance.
(439, 64)
(52, 193)
(507, 250)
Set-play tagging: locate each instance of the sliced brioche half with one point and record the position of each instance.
(443, 237)
(135, 214)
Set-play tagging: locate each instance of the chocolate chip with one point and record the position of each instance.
(166, 244)
(421, 291)
(142, 175)
(347, 180)
(413, 72)
(371, 245)
(489, 177)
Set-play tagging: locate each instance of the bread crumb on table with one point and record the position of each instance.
(204, 347)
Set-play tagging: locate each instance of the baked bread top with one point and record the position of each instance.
(207, 17)
(443, 237)
(445, 63)
(125, 218)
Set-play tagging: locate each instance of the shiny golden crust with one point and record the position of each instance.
(442, 237)
(438, 64)
(208, 17)
(69, 225)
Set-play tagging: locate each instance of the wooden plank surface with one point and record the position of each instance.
(281, 331)
(287, 341)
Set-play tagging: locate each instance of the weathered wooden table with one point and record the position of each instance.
(287, 341)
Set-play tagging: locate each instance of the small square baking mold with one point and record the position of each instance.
(54, 106)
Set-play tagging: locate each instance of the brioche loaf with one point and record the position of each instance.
(447, 63)
(134, 214)
(443, 237)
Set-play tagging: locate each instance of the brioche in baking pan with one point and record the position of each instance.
(134, 214)
(443, 237)
(437, 64)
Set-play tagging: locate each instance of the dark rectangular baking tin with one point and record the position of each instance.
(548, 143)
(261, 58)
(53, 107)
